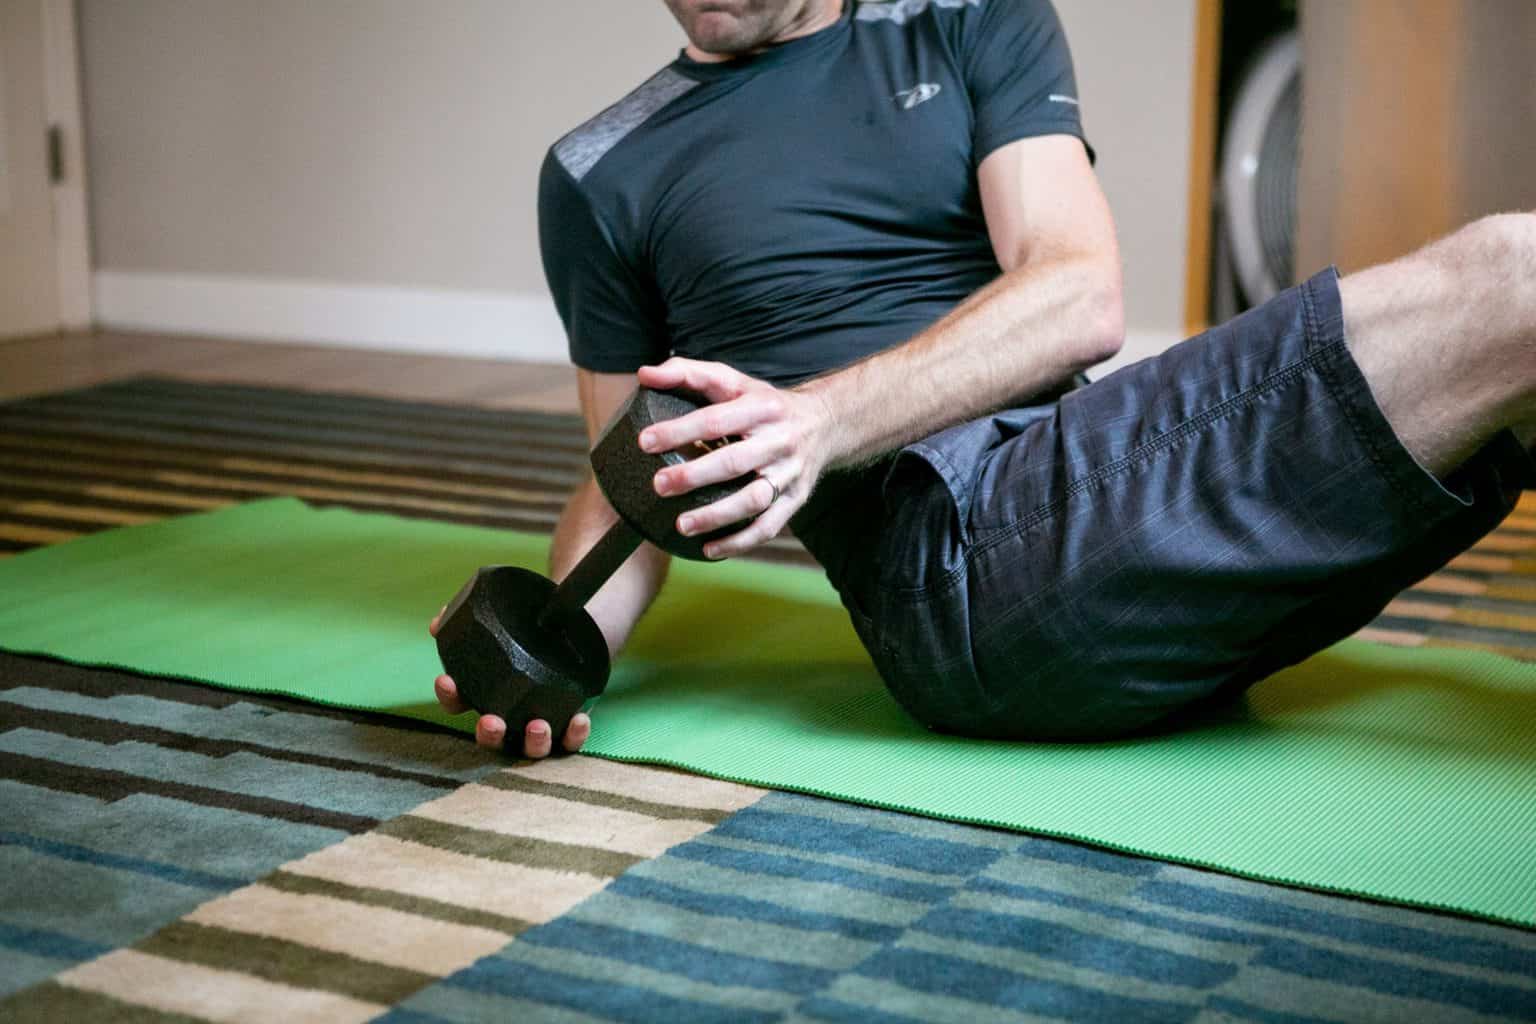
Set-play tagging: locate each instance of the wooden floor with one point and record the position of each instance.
(30, 366)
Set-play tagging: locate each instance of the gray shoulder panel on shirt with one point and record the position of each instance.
(579, 151)
(902, 11)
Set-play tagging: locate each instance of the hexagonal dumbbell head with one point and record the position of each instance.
(506, 662)
(625, 473)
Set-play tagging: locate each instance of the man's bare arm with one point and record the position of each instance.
(1055, 310)
(616, 607)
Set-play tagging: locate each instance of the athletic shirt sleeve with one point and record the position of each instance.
(1019, 73)
(614, 323)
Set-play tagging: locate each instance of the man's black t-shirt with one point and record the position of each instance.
(792, 211)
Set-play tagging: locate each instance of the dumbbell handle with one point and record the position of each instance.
(594, 569)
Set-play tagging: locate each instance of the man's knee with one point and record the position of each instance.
(1503, 245)
(1444, 337)
(1507, 244)
(1514, 231)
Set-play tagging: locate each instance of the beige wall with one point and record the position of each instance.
(1418, 115)
(1135, 67)
(365, 141)
(397, 142)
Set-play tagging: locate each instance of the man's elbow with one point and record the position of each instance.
(1103, 332)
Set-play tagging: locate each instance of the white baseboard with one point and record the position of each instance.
(498, 325)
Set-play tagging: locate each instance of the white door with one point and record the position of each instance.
(29, 268)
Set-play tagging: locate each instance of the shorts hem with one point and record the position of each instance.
(1409, 478)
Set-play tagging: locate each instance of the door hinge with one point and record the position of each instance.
(55, 154)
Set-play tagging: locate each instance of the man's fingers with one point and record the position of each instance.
(490, 731)
(722, 464)
(737, 416)
(448, 695)
(715, 381)
(747, 502)
(536, 739)
(437, 620)
(577, 732)
(763, 529)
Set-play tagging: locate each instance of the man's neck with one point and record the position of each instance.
(813, 17)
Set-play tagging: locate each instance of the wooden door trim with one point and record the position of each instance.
(1202, 164)
(61, 71)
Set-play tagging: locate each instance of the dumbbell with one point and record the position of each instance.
(519, 646)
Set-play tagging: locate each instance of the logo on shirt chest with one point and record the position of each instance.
(922, 92)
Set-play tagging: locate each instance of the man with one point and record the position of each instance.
(862, 229)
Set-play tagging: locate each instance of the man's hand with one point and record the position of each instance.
(783, 436)
(491, 730)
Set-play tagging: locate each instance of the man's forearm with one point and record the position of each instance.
(1028, 331)
(629, 592)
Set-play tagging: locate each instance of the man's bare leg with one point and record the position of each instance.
(1446, 338)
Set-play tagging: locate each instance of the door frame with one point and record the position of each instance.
(1202, 166)
(61, 72)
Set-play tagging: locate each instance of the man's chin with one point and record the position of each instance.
(721, 34)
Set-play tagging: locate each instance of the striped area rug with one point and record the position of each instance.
(173, 852)
(195, 852)
(141, 449)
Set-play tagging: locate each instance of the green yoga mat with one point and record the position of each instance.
(1407, 776)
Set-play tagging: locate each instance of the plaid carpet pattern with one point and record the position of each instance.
(175, 852)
